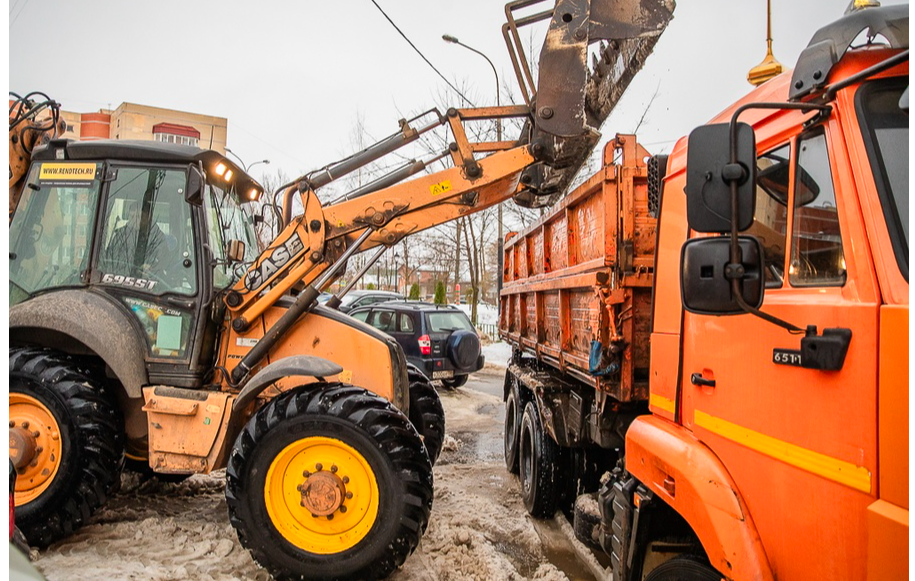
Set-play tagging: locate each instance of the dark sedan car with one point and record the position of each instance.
(438, 339)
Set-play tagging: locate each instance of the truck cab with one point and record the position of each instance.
(783, 467)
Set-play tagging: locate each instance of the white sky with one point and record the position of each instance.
(292, 76)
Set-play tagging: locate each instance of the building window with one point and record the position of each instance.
(179, 139)
(174, 133)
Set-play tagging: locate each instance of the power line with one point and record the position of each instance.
(15, 18)
(419, 52)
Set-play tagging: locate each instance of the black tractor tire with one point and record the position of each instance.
(684, 568)
(91, 441)
(455, 382)
(463, 349)
(427, 415)
(512, 429)
(383, 449)
(586, 520)
(540, 470)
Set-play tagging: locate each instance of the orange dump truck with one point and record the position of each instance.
(710, 350)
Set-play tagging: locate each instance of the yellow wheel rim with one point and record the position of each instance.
(293, 476)
(33, 425)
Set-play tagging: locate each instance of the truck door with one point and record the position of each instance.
(800, 444)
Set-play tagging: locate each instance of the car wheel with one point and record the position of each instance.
(455, 382)
(463, 349)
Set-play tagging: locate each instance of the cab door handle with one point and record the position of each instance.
(697, 379)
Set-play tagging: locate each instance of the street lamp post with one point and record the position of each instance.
(453, 40)
(243, 165)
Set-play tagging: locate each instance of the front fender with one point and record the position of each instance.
(685, 473)
(78, 321)
(301, 365)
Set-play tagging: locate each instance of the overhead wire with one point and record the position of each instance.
(419, 52)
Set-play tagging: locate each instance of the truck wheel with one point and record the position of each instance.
(427, 415)
(329, 483)
(512, 428)
(586, 520)
(538, 459)
(684, 568)
(66, 443)
(456, 382)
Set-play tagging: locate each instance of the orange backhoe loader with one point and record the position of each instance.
(143, 322)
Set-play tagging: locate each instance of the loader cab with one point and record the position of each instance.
(157, 229)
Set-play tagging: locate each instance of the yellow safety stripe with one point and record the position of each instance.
(661, 402)
(846, 473)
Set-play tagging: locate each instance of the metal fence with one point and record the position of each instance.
(489, 329)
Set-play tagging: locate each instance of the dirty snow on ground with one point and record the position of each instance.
(478, 530)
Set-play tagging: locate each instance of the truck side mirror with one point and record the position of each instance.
(709, 173)
(705, 284)
(195, 181)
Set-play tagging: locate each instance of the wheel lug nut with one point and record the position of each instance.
(302, 503)
(333, 468)
(330, 517)
(314, 516)
(12, 424)
(36, 434)
(319, 467)
(342, 508)
(39, 450)
(349, 495)
(306, 474)
(346, 480)
(25, 425)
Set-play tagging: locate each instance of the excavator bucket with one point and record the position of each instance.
(571, 100)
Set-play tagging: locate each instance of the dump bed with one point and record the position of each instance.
(577, 284)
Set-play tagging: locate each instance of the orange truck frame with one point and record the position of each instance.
(769, 445)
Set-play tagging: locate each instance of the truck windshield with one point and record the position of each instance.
(886, 135)
(51, 232)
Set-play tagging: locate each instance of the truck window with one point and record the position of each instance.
(770, 224)
(886, 136)
(817, 257)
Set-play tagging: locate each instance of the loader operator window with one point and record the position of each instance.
(770, 223)
(51, 232)
(147, 242)
(817, 257)
(227, 220)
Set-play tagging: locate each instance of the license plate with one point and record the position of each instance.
(442, 374)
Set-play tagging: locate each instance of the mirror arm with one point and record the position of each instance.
(733, 173)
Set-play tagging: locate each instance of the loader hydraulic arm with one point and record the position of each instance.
(31, 123)
(561, 121)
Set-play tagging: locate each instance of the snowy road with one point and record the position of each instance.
(479, 529)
